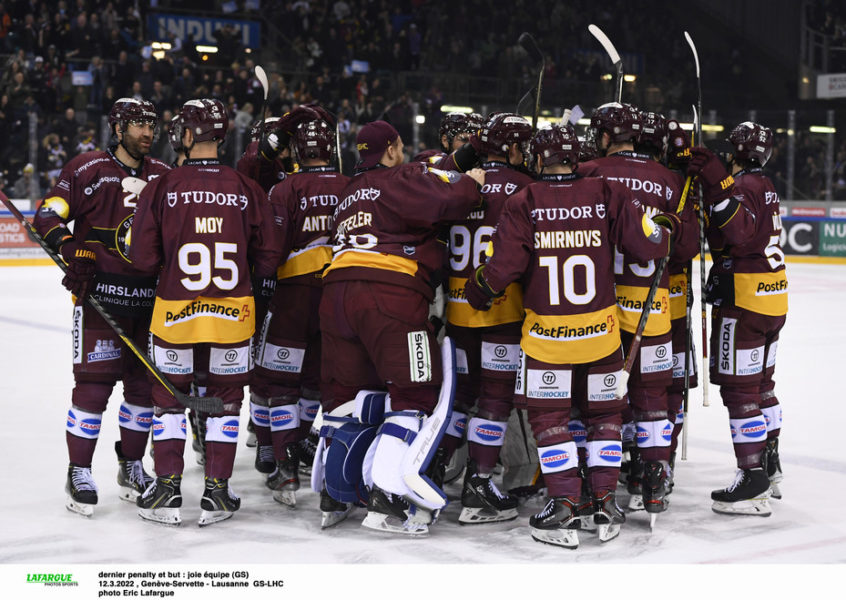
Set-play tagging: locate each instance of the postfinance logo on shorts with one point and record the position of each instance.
(212, 320)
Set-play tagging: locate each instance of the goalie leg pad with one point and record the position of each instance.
(343, 470)
(371, 406)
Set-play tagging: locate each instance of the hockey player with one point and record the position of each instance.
(614, 128)
(206, 230)
(558, 236)
(667, 143)
(285, 391)
(748, 287)
(89, 194)
(374, 310)
(487, 343)
(455, 131)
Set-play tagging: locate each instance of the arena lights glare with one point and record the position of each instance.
(448, 108)
(420, 119)
(821, 129)
(629, 78)
(206, 49)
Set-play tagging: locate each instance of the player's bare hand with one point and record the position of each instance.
(478, 175)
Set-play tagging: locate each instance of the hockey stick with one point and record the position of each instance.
(262, 77)
(702, 279)
(208, 404)
(614, 56)
(531, 47)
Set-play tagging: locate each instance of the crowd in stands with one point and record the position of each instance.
(436, 43)
(829, 18)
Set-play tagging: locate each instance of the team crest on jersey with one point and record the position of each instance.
(122, 237)
(510, 188)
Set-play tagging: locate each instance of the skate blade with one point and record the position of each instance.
(586, 523)
(474, 516)
(286, 497)
(653, 518)
(608, 531)
(163, 516)
(636, 502)
(775, 492)
(390, 524)
(251, 440)
(330, 519)
(86, 510)
(566, 538)
(209, 517)
(758, 507)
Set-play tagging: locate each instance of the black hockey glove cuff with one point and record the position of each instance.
(478, 293)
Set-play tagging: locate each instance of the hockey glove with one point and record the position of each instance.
(716, 181)
(478, 293)
(678, 145)
(81, 262)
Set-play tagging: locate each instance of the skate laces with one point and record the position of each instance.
(492, 487)
(738, 479)
(136, 472)
(548, 509)
(265, 454)
(82, 479)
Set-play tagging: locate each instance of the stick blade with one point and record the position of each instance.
(262, 77)
(692, 49)
(606, 43)
(529, 44)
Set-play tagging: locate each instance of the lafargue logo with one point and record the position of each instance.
(52, 579)
(500, 351)
(661, 351)
(172, 356)
(489, 432)
(283, 354)
(610, 380)
(231, 355)
(548, 377)
(555, 457)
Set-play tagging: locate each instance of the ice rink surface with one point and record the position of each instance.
(806, 528)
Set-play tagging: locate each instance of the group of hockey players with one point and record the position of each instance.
(531, 256)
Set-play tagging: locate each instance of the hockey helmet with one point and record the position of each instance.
(271, 124)
(126, 110)
(456, 123)
(557, 145)
(620, 121)
(206, 119)
(501, 130)
(314, 139)
(752, 143)
(653, 134)
(174, 133)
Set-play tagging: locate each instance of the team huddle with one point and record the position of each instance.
(388, 324)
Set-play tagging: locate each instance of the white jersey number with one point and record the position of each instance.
(568, 272)
(195, 260)
(465, 248)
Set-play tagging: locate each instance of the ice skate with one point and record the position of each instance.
(481, 500)
(455, 466)
(654, 490)
(634, 482)
(332, 512)
(219, 502)
(393, 514)
(285, 480)
(251, 434)
(198, 436)
(161, 501)
(585, 508)
(774, 467)
(81, 490)
(747, 495)
(131, 476)
(557, 523)
(608, 516)
(265, 462)
(307, 449)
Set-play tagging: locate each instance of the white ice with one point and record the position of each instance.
(806, 527)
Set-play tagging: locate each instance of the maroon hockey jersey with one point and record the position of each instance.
(208, 228)
(468, 240)
(657, 189)
(559, 235)
(385, 227)
(744, 236)
(267, 173)
(89, 194)
(303, 204)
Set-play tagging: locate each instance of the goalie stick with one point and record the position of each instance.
(529, 44)
(614, 56)
(208, 404)
(702, 279)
